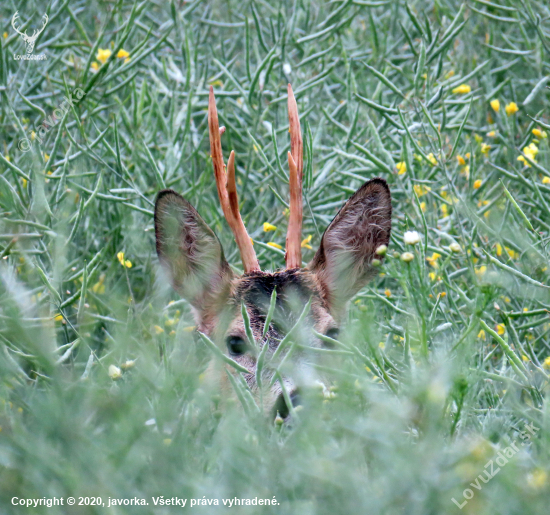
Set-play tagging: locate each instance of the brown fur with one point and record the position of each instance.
(193, 259)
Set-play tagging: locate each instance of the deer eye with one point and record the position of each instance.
(333, 333)
(236, 345)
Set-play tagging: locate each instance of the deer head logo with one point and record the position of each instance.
(29, 40)
(253, 317)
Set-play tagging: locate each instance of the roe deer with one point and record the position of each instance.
(192, 257)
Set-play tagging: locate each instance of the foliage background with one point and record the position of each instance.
(425, 393)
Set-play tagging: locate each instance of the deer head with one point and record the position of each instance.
(29, 40)
(193, 259)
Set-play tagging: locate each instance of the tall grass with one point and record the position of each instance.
(102, 389)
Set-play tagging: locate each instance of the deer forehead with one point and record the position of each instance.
(293, 288)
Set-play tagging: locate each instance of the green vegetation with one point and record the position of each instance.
(102, 389)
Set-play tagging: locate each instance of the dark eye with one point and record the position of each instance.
(236, 345)
(333, 333)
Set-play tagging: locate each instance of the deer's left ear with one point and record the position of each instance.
(343, 263)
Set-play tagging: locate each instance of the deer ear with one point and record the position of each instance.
(189, 251)
(343, 262)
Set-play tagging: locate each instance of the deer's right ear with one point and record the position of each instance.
(189, 251)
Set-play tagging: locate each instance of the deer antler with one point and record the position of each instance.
(14, 17)
(227, 189)
(293, 256)
(36, 32)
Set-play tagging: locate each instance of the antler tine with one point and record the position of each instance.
(15, 17)
(293, 255)
(227, 189)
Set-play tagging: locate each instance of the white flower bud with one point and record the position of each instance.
(114, 372)
(381, 250)
(411, 237)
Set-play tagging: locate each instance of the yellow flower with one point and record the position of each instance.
(159, 329)
(5, 35)
(499, 249)
(421, 190)
(539, 134)
(433, 259)
(124, 262)
(58, 318)
(477, 184)
(268, 227)
(495, 104)
(524, 357)
(530, 152)
(95, 66)
(432, 276)
(511, 108)
(480, 270)
(432, 159)
(46, 157)
(512, 253)
(501, 329)
(462, 89)
(423, 206)
(450, 74)
(481, 335)
(444, 210)
(478, 138)
(461, 160)
(485, 148)
(387, 293)
(24, 182)
(99, 287)
(274, 245)
(546, 363)
(401, 167)
(305, 243)
(546, 180)
(122, 53)
(103, 54)
(465, 171)
(524, 161)
(492, 134)
(537, 479)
